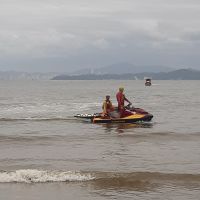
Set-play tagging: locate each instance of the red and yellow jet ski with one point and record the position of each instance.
(131, 115)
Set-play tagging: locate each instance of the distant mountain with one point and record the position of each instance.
(181, 74)
(13, 75)
(123, 68)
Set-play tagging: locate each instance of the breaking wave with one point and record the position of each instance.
(103, 179)
(40, 176)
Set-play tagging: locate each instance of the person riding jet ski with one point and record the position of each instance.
(122, 114)
(121, 100)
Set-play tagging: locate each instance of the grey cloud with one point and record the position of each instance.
(55, 35)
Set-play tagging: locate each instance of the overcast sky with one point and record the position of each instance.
(64, 35)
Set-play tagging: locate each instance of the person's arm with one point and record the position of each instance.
(104, 107)
(127, 100)
(111, 106)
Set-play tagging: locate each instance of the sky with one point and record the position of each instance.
(66, 35)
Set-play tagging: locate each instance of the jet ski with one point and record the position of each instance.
(131, 115)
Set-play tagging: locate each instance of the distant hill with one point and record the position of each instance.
(181, 74)
(123, 68)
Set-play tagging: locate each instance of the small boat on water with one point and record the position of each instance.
(132, 115)
(147, 81)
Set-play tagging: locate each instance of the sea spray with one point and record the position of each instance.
(42, 176)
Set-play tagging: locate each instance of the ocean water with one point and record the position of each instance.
(45, 153)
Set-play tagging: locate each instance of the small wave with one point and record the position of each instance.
(108, 179)
(141, 181)
(37, 119)
(40, 176)
(28, 138)
(159, 176)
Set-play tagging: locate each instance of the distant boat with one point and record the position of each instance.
(147, 81)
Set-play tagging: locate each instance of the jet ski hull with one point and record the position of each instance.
(130, 119)
(97, 118)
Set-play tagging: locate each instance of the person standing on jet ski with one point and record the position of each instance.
(121, 99)
(107, 106)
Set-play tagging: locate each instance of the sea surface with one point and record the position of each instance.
(45, 153)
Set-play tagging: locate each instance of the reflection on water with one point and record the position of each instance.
(122, 127)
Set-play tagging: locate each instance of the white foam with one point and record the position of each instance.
(43, 110)
(84, 106)
(42, 176)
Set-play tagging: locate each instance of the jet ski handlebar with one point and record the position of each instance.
(129, 106)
